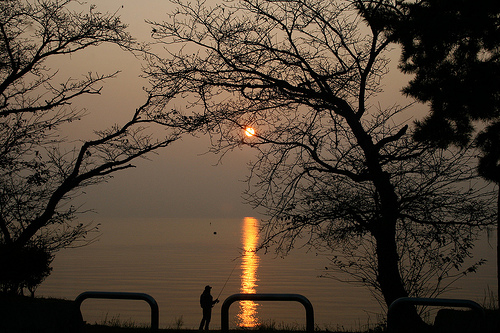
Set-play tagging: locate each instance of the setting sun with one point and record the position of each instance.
(249, 131)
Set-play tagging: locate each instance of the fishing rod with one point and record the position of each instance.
(224, 286)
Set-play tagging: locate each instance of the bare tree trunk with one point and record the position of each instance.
(389, 277)
(406, 319)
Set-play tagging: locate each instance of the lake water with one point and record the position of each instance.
(173, 260)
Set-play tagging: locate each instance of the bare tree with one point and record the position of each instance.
(334, 171)
(40, 173)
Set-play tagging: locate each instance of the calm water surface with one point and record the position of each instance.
(173, 260)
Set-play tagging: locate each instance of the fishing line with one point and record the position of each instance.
(224, 286)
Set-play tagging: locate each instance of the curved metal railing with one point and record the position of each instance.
(155, 313)
(444, 302)
(267, 297)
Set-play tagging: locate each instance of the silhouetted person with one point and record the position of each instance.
(206, 302)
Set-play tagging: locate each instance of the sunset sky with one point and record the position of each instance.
(181, 181)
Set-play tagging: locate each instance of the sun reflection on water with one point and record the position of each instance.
(249, 264)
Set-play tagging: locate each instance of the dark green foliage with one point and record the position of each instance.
(23, 268)
(489, 142)
(451, 46)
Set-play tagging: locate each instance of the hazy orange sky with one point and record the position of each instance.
(180, 181)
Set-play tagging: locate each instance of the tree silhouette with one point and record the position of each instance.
(334, 170)
(40, 173)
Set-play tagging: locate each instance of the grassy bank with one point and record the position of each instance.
(21, 314)
(109, 329)
(113, 329)
(26, 315)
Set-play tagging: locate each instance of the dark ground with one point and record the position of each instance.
(47, 315)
